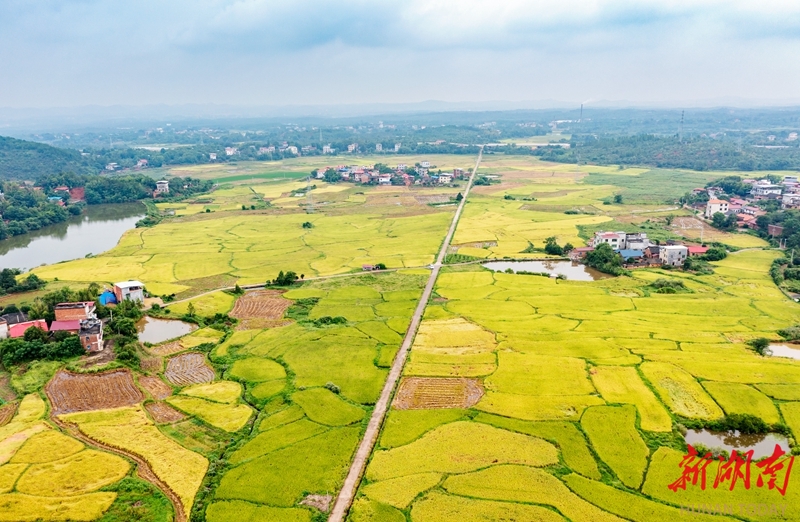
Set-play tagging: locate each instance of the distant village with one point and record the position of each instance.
(75, 318)
(746, 210)
(420, 174)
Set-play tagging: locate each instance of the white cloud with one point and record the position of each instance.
(72, 52)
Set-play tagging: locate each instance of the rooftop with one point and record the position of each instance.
(129, 284)
(68, 326)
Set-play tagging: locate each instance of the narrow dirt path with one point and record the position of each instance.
(346, 495)
(143, 469)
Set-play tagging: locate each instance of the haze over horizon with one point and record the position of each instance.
(317, 53)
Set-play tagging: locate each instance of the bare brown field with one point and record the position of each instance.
(157, 388)
(321, 502)
(167, 348)
(260, 304)
(189, 368)
(152, 364)
(70, 392)
(6, 412)
(163, 413)
(491, 189)
(421, 393)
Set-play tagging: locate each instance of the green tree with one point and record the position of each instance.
(190, 310)
(618, 198)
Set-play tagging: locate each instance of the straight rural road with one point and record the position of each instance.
(348, 492)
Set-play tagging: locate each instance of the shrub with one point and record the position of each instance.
(760, 346)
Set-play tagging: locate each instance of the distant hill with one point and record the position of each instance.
(20, 159)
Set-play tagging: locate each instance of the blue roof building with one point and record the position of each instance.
(627, 254)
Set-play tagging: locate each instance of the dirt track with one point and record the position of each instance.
(348, 492)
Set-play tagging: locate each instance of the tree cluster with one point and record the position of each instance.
(24, 210)
(604, 259)
(10, 285)
(37, 345)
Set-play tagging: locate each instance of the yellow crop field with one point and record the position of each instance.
(529, 485)
(680, 392)
(254, 247)
(228, 417)
(26, 508)
(740, 398)
(83, 472)
(130, 429)
(436, 507)
(219, 391)
(399, 492)
(459, 447)
(621, 384)
(215, 303)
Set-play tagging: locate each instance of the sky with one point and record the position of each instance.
(72, 53)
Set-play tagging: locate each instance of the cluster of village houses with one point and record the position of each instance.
(75, 318)
(787, 192)
(637, 250)
(368, 174)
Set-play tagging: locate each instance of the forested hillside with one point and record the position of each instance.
(21, 159)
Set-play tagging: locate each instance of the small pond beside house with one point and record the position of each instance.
(571, 270)
(154, 331)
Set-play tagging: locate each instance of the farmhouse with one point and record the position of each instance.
(621, 240)
(162, 187)
(576, 254)
(91, 334)
(716, 205)
(129, 290)
(18, 330)
(631, 254)
(764, 189)
(75, 311)
(673, 255)
(696, 250)
(71, 326)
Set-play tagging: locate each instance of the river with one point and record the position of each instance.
(96, 230)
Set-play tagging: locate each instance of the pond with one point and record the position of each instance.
(762, 445)
(154, 331)
(572, 271)
(782, 350)
(96, 230)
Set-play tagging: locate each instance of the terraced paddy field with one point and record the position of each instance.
(523, 397)
(603, 373)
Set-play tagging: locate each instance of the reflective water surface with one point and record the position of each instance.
(762, 445)
(154, 331)
(573, 271)
(96, 230)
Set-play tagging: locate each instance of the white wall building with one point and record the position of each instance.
(614, 239)
(763, 188)
(673, 255)
(129, 290)
(716, 205)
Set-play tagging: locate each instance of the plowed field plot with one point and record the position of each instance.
(163, 413)
(420, 393)
(71, 392)
(189, 368)
(262, 304)
(155, 387)
(167, 348)
(6, 412)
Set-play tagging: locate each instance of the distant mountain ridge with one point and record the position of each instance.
(20, 159)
